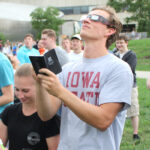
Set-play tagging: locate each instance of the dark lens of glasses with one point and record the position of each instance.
(98, 18)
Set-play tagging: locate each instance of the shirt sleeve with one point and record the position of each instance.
(62, 56)
(51, 127)
(5, 115)
(117, 89)
(6, 72)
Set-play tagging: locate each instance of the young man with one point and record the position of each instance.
(76, 44)
(93, 111)
(48, 38)
(130, 57)
(20, 124)
(41, 48)
(66, 44)
(27, 50)
(6, 82)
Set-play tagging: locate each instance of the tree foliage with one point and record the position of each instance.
(45, 18)
(140, 10)
(2, 38)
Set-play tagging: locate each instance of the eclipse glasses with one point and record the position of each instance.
(96, 18)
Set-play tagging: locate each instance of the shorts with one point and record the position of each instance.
(134, 109)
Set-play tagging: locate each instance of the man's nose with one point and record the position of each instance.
(86, 20)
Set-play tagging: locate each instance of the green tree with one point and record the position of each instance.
(45, 18)
(2, 38)
(140, 10)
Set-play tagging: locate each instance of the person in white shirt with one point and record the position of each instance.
(76, 46)
(6, 49)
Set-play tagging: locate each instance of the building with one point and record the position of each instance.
(15, 15)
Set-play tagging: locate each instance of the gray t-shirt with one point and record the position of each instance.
(97, 81)
(62, 56)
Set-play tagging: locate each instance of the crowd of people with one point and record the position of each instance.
(83, 107)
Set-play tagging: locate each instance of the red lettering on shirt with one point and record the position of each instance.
(89, 97)
(96, 81)
(69, 73)
(82, 96)
(96, 98)
(75, 93)
(86, 78)
(75, 78)
(89, 94)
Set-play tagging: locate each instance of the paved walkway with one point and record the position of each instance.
(143, 74)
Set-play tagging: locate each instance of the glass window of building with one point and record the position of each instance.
(84, 9)
(76, 10)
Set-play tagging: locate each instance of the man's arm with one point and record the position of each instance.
(7, 95)
(53, 142)
(100, 117)
(47, 105)
(148, 83)
(3, 133)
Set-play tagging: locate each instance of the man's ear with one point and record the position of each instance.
(111, 31)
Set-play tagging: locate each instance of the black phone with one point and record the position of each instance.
(49, 60)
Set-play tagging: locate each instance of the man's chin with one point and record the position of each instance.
(83, 35)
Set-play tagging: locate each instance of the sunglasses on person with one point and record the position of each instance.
(97, 18)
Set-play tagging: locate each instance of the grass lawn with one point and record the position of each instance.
(142, 49)
(144, 123)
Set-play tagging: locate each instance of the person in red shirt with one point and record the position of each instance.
(41, 47)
